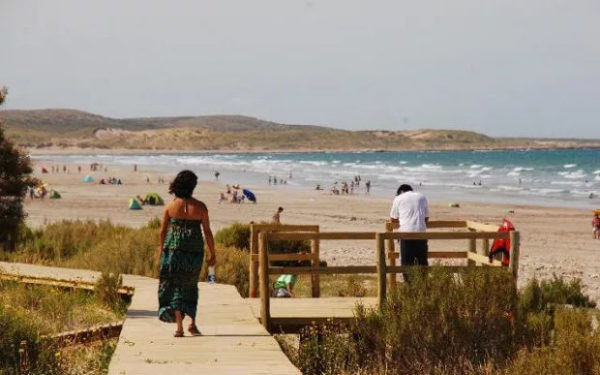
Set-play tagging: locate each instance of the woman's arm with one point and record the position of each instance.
(211, 259)
(163, 233)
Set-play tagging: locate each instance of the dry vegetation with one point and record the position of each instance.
(70, 128)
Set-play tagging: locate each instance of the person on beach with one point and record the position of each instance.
(410, 213)
(277, 216)
(181, 253)
(284, 286)
(596, 226)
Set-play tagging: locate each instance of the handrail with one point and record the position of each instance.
(382, 269)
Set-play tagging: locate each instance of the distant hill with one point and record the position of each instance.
(71, 128)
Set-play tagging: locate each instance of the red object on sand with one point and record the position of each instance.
(44, 170)
(501, 245)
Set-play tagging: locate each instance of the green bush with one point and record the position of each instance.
(544, 296)
(438, 321)
(107, 292)
(236, 235)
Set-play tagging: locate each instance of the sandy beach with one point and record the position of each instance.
(553, 240)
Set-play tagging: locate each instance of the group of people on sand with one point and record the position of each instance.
(185, 237)
(274, 181)
(111, 181)
(232, 194)
(38, 191)
(348, 189)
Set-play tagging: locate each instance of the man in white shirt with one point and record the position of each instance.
(410, 213)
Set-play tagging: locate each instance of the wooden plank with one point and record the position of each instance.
(514, 253)
(297, 324)
(315, 263)
(253, 267)
(322, 236)
(96, 333)
(401, 269)
(286, 228)
(323, 270)
(264, 280)
(484, 260)
(472, 250)
(482, 227)
(381, 270)
(447, 224)
(392, 277)
(277, 257)
(437, 255)
(59, 283)
(445, 235)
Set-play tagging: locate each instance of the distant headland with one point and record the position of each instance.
(67, 129)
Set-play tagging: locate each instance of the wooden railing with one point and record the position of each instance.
(474, 255)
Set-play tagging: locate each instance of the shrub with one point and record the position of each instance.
(438, 321)
(107, 291)
(236, 235)
(544, 296)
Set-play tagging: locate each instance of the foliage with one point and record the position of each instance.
(446, 324)
(29, 311)
(235, 235)
(545, 295)
(238, 235)
(15, 168)
(107, 291)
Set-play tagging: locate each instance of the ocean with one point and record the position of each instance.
(566, 177)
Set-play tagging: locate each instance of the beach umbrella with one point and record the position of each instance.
(88, 178)
(250, 195)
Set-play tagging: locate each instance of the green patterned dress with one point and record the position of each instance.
(180, 264)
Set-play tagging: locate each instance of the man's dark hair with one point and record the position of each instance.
(403, 189)
(184, 184)
(280, 209)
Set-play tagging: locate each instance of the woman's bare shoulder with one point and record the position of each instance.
(199, 204)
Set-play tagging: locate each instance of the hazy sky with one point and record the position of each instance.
(500, 67)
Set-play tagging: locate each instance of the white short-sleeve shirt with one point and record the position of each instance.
(410, 208)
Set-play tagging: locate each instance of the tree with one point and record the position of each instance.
(15, 168)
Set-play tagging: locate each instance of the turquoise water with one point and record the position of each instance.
(546, 177)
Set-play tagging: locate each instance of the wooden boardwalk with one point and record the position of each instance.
(233, 341)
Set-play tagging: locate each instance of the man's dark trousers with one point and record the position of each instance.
(413, 252)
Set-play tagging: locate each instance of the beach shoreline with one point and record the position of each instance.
(554, 240)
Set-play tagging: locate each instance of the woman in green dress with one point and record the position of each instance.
(181, 253)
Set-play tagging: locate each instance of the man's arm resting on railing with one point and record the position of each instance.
(395, 223)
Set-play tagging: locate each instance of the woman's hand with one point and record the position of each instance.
(211, 259)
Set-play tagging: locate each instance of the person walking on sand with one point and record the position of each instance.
(596, 226)
(181, 253)
(410, 213)
(277, 216)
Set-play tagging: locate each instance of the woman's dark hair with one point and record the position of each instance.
(184, 184)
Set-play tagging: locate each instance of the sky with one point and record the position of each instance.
(498, 67)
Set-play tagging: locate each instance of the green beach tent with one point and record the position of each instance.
(134, 204)
(88, 178)
(54, 194)
(154, 199)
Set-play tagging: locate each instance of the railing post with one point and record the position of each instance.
(265, 303)
(485, 247)
(513, 266)
(381, 269)
(389, 227)
(23, 360)
(253, 277)
(315, 263)
(472, 249)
